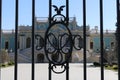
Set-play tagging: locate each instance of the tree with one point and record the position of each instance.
(110, 56)
(4, 57)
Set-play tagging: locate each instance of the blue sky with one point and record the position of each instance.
(8, 12)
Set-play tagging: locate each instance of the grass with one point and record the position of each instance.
(113, 67)
(7, 65)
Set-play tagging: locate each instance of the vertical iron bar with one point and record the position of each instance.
(67, 22)
(50, 14)
(0, 31)
(118, 36)
(16, 38)
(101, 39)
(67, 70)
(50, 11)
(67, 12)
(33, 31)
(84, 32)
(0, 20)
(50, 73)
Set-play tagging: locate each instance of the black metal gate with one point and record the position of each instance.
(59, 47)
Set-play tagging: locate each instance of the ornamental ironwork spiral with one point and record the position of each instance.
(58, 38)
(58, 42)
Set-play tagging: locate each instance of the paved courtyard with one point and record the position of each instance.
(41, 73)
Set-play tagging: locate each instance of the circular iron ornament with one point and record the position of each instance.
(56, 47)
(78, 42)
(63, 67)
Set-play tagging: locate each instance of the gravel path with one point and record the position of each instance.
(41, 73)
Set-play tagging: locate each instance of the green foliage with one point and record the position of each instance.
(113, 67)
(106, 65)
(11, 63)
(3, 65)
(8, 64)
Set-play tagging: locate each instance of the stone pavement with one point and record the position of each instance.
(41, 72)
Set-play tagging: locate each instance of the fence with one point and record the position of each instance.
(58, 46)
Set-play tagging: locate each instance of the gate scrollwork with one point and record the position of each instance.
(57, 39)
(58, 42)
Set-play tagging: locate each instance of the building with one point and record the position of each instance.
(41, 25)
(108, 38)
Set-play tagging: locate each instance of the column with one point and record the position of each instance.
(88, 43)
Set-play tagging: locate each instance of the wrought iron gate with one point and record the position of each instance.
(59, 49)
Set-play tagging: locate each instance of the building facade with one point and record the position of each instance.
(41, 25)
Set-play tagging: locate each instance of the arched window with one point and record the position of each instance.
(28, 42)
(91, 45)
(6, 44)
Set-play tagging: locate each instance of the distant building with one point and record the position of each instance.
(108, 37)
(41, 24)
(8, 40)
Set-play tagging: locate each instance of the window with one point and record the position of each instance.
(28, 42)
(6, 45)
(91, 45)
(112, 44)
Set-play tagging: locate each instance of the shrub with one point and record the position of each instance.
(11, 63)
(3, 65)
(96, 64)
(115, 67)
(106, 65)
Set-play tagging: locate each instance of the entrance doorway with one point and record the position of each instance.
(6, 45)
(40, 58)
